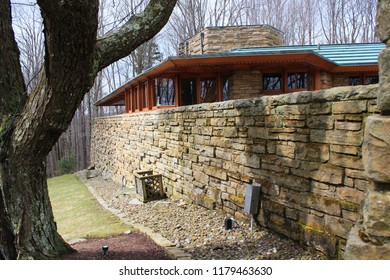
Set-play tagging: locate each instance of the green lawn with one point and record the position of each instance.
(77, 213)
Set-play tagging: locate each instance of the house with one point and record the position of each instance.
(225, 63)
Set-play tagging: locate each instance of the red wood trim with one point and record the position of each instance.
(317, 80)
(219, 87)
(198, 91)
(177, 91)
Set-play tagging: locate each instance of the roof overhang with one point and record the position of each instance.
(226, 62)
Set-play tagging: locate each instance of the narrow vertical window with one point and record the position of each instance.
(188, 92)
(208, 90)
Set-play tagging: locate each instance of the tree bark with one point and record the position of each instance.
(31, 125)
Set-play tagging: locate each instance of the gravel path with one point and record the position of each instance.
(198, 231)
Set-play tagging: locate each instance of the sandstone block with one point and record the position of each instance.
(313, 152)
(201, 177)
(216, 172)
(205, 201)
(246, 159)
(349, 107)
(345, 149)
(356, 249)
(320, 122)
(284, 226)
(328, 174)
(376, 213)
(348, 161)
(350, 195)
(340, 137)
(338, 226)
(376, 148)
(286, 150)
(323, 204)
(322, 241)
(286, 110)
(311, 220)
(383, 19)
(384, 81)
(354, 126)
(320, 109)
(258, 132)
(229, 132)
(292, 182)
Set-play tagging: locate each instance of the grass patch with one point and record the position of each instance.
(78, 214)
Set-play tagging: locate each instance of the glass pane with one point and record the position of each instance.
(136, 93)
(272, 82)
(208, 90)
(188, 92)
(297, 80)
(371, 80)
(144, 94)
(164, 92)
(354, 81)
(225, 89)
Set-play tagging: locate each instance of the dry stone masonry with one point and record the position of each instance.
(223, 39)
(304, 148)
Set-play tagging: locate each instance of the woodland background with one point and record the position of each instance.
(302, 21)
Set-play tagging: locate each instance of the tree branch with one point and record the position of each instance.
(140, 28)
(11, 78)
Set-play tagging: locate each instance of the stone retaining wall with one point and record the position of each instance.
(303, 148)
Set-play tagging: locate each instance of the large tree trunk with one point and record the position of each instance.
(33, 232)
(31, 125)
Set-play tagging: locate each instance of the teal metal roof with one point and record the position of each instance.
(343, 54)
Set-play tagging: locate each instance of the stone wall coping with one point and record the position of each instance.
(303, 97)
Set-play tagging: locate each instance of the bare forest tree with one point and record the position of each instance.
(31, 123)
(302, 21)
(348, 21)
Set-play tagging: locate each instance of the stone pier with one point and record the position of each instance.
(370, 238)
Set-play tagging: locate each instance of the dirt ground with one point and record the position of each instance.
(134, 246)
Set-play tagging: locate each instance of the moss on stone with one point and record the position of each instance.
(350, 206)
(237, 200)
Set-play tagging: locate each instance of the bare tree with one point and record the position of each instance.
(348, 21)
(30, 42)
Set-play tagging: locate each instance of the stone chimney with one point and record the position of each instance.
(223, 39)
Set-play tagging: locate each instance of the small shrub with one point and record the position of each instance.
(67, 165)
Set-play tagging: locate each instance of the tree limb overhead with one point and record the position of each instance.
(140, 28)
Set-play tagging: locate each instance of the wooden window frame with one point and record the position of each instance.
(362, 76)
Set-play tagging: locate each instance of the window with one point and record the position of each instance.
(272, 82)
(297, 80)
(136, 98)
(188, 92)
(354, 81)
(208, 90)
(225, 89)
(144, 93)
(164, 92)
(371, 80)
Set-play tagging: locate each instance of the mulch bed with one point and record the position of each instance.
(134, 246)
